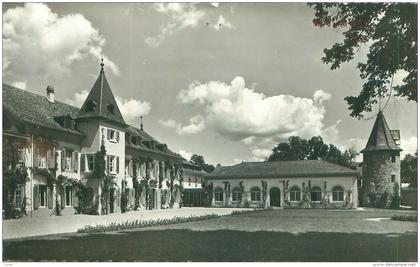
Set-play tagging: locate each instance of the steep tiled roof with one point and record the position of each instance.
(281, 169)
(103, 100)
(36, 109)
(381, 138)
(133, 131)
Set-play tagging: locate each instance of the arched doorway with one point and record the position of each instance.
(274, 197)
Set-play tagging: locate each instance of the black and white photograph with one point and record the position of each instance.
(210, 132)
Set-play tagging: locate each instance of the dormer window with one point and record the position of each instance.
(90, 106)
(110, 108)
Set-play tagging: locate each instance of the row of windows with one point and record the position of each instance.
(295, 194)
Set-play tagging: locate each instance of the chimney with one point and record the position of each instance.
(50, 93)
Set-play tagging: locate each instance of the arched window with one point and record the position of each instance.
(338, 193)
(315, 193)
(218, 194)
(295, 194)
(255, 194)
(236, 194)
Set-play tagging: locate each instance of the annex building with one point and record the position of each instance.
(88, 159)
(315, 183)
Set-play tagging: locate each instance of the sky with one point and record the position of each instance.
(227, 81)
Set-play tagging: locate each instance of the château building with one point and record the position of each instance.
(90, 152)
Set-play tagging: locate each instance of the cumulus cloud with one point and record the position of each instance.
(37, 41)
(180, 16)
(409, 146)
(20, 84)
(259, 121)
(130, 109)
(196, 125)
(185, 154)
(222, 23)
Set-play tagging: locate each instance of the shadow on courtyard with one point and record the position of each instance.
(222, 245)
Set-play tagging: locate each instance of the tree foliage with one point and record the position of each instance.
(390, 31)
(409, 170)
(312, 149)
(199, 160)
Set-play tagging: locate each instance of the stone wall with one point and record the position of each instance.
(377, 174)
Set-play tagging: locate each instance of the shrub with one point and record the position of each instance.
(410, 218)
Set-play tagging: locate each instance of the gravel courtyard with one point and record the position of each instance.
(271, 235)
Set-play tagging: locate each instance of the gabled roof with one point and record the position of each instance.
(36, 109)
(381, 137)
(281, 169)
(101, 101)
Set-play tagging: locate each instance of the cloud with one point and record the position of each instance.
(409, 146)
(259, 121)
(20, 84)
(222, 23)
(130, 109)
(78, 99)
(186, 155)
(39, 42)
(196, 125)
(180, 16)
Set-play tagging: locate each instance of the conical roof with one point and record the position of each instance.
(381, 138)
(100, 103)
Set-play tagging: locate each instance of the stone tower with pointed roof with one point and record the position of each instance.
(381, 163)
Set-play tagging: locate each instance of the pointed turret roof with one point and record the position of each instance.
(100, 103)
(381, 138)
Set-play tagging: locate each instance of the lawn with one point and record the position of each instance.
(278, 235)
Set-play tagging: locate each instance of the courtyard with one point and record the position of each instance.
(267, 235)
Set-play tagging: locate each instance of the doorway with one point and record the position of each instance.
(274, 197)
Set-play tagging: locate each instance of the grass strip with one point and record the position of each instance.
(114, 226)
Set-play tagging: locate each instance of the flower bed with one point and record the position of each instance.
(141, 224)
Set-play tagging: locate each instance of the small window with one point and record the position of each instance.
(393, 178)
(68, 160)
(110, 108)
(112, 164)
(236, 195)
(91, 162)
(90, 106)
(255, 194)
(295, 194)
(338, 193)
(189, 181)
(113, 135)
(218, 194)
(315, 193)
(19, 194)
(393, 158)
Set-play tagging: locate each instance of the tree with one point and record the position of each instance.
(313, 149)
(409, 170)
(199, 160)
(390, 31)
